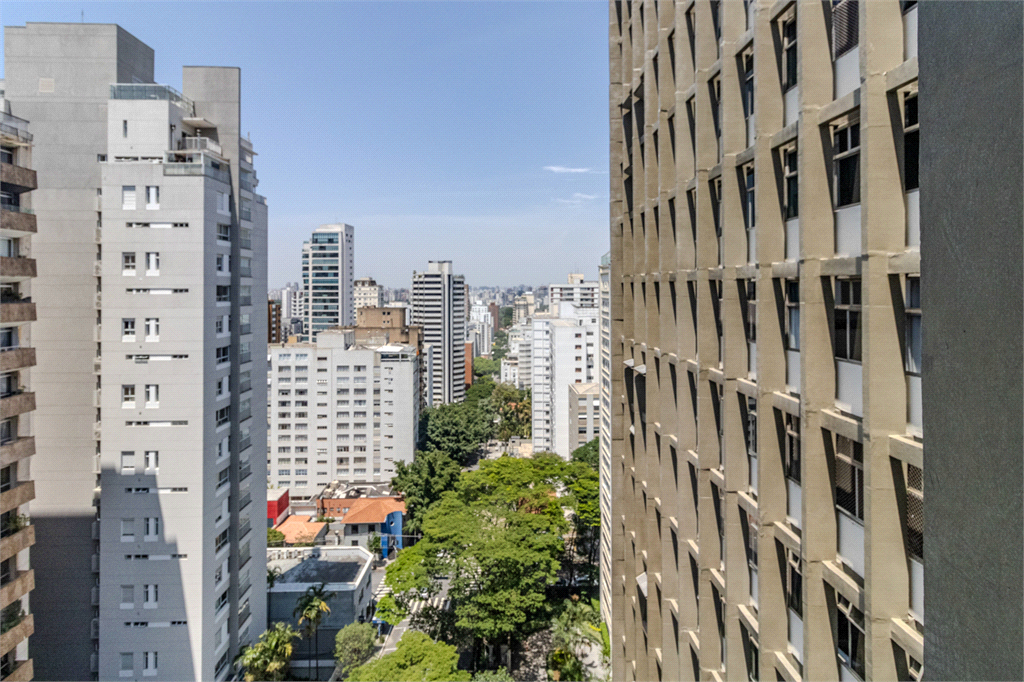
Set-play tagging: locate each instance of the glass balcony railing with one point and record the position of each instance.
(15, 208)
(14, 126)
(199, 144)
(152, 91)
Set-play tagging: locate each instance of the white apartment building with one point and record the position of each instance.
(563, 352)
(575, 291)
(523, 308)
(366, 293)
(605, 444)
(510, 371)
(340, 411)
(293, 299)
(439, 306)
(584, 416)
(480, 314)
(327, 261)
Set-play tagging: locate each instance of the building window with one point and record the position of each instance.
(752, 653)
(850, 626)
(911, 141)
(128, 264)
(846, 164)
(850, 476)
(845, 27)
(847, 319)
(794, 584)
(149, 666)
(749, 299)
(127, 530)
(748, 88)
(128, 329)
(913, 328)
(128, 395)
(127, 462)
(152, 197)
(152, 263)
(751, 437)
(223, 293)
(152, 395)
(223, 354)
(792, 314)
(792, 453)
(222, 204)
(789, 62)
(152, 329)
(128, 197)
(224, 235)
(749, 213)
(124, 133)
(127, 659)
(152, 460)
(152, 532)
(791, 195)
(223, 416)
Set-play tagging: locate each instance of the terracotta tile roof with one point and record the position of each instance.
(363, 509)
(300, 529)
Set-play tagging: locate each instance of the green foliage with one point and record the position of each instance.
(606, 641)
(576, 627)
(272, 575)
(270, 658)
(373, 544)
(457, 428)
(389, 611)
(310, 608)
(478, 392)
(588, 453)
(568, 667)
(275, 538)
(486, 367)
(417, 659)
(422, 482)
(499, 675)
(354, 645)
(499, 348)
(506, 313)
(514, 412)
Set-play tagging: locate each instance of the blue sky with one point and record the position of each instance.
(469, 131)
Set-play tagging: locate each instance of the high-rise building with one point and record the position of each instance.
(495, 311)
(481, 327)
(367, 293)
(439, 306)
(605, 444)
(17, 399)
(523, 308)
(576, 291)
(584, 418)
(274, 322)
(563, 352)
(766, 436)
(327, 279)
(341, 411)
(147, 407)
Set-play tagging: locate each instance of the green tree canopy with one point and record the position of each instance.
(354, 645)
(486, 366)
(270, 658)
(499, 675)
(417, 659)
(514, 411)
(588, 453)
(506, 313)
(422, 482)
(275, 538)
(456, 428)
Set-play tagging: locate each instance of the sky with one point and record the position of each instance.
(475, 132)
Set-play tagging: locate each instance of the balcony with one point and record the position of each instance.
(244, 472)
(244, 529)
(17, 219)
(19, 494)
(21, 672)
(152, 91)
(17, 311)
(244, 501)
(15, 127)
(16, 630)
(17, 403)
(198, 144)
(243, 613)
(14, 543)
(17, 449)
(202, 167)
(17, 358)
(19, 587)
(14, 269)
(20, 179)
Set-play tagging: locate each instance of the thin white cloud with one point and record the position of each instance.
(565, 169)
(577, 198)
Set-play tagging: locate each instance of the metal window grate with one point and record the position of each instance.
(915, 512)
(845, 26)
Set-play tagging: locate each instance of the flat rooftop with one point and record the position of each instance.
(328, 565)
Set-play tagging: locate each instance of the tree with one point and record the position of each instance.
(270, 658)
(588, 453)
(275, 538)
(457, 429)
(499, 675)
(373, 544)
(576, 627)
(272, 575)
(486, 367)
(417, 659)
(422, 482)
(479, 391)
(506, 314)
(354, 645)
(310, 608)
(514, 412)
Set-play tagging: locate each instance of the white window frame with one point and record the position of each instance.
(128, 199)
(152, 396)
(152, 197)
(152, 263)
(152, 329)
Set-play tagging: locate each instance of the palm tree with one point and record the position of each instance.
(272, 576)
(310, 608)
(271, 657)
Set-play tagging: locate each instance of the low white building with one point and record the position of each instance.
(510, 371)
(340, 411)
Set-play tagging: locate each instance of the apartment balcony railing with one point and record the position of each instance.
(245, 271)
(17, 219)
(11, 544)
(244, 386)
(246, 185)
(244, 555)
(199, 144)
(15, 449)
(244, 529)
(16, 495)
(14, 126)
(246, 214)
(244, 501)
(245, 300)
(245, 329)
(17, 402)
(245, 357)
(13, 357)
(243, 613)
(152, 91)
(244, 443)
(244, 472)
(242, 589)
(15, 208)
(22, 179)
(11, 616)
(196, 168)
(246, 242)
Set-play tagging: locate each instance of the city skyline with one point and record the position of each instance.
(498, 148)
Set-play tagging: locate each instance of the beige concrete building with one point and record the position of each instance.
(17, 399)
(794, 550)
(584, 414)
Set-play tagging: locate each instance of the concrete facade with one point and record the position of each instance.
(17, 398)
(327, 262)
(584, 419)
(153, 196)
(576, 291)
(971, 169)
(766, 438)
(605, 444)
(366, 293)
(439, 306)
(341, 410)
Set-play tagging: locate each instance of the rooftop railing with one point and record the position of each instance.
(17, 127)
(152, 91)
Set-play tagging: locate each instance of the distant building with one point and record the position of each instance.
(439, 306)
(273, 322)
(346, 572)
(278, 506)
(495, 311)
(404, 307)
(356, 520)
(366, 293)
(564, 352)
(468, 364)
(481, 325)
(327, 260)
(325, 420)
(584, 416)
(299, 529)
(576, 291)
(510, 371)
(523, 308)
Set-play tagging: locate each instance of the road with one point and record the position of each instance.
(437, 601)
